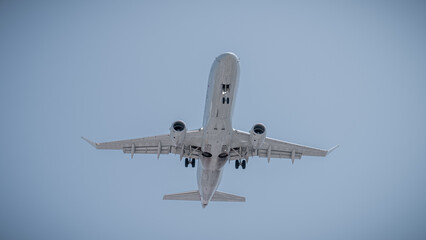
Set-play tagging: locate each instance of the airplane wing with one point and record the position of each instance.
(271, 148)
(160, 144)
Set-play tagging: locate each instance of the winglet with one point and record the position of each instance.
(332, 149)
(95, 145)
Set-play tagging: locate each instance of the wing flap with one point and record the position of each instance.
(278, 154)
(149, 149)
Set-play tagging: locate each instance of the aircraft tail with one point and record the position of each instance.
(195, 196)
(187, 196)
(226, 197)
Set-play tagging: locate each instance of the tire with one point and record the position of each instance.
(193, 163)
(237, 164)
(186, 162)
(243, 164)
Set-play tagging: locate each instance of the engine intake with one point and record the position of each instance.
(177, 132)
(257, 135)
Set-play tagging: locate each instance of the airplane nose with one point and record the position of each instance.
(228, 55)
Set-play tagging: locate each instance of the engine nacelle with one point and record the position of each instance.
(257, 135)
(177, 132)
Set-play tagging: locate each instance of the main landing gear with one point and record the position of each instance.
(190, 161)
(243, 164)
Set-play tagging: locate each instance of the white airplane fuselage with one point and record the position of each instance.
(216, 142)
(217, 124)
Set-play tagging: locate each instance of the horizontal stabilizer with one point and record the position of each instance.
(188, 196)
(226, 197)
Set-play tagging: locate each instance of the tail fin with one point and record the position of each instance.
(226, 197)
(188, 196)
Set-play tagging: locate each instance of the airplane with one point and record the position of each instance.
(216, 142)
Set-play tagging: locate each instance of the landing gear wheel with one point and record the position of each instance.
(186, 162)
(227, 100)
(237, 164)
(243, 164)
(193, 163)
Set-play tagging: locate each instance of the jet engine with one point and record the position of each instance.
(257, 135)
(177, 132)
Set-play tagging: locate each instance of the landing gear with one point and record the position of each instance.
(243, 164)
(237, 164)
(188, 161)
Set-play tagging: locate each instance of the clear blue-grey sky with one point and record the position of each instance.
(337, 72)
